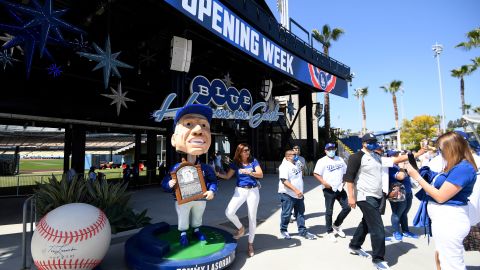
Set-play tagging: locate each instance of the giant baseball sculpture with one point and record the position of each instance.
(72, 236)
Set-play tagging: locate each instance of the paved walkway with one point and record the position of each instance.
(296, 253)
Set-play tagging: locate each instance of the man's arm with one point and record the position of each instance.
(353, 167)
(322, 181)
(291, 187)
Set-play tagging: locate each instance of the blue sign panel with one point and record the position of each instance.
(218, 19)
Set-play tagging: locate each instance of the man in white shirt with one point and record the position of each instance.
(290, 189)
(329, 171)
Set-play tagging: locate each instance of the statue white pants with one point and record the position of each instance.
(194, 209)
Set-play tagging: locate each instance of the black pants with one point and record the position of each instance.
(330, 197)
(371, 223)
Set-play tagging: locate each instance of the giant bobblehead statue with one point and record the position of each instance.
(192, 138)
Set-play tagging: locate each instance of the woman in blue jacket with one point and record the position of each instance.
(447, 199)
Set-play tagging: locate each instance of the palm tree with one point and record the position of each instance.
(325, 37)
(476, 110)
(473, 40)
(476, 62)
(393, 88)
(467, 108)
(361, 93)
(460, 73)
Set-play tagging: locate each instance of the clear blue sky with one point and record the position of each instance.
(392, 40)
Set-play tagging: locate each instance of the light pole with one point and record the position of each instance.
(437, 49)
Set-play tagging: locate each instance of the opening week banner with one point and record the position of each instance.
(218, 19)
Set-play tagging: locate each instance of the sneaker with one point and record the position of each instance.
(382, 265)
(183, 240)
(338, 230)
(359, 252)
(309, 236)
(293, 218)
(331, 237)
(410, 235)
(398, 236)
(285, 235)
(200, 236)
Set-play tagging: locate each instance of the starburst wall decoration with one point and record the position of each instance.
(54, 70)
(106, 60)
(290, 108)
(119, 98)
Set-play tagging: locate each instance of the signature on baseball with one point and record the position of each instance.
(62, 251)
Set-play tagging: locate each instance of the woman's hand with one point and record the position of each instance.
(412, 172)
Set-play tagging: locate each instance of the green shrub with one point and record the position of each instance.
(112, 198)
(309, 167)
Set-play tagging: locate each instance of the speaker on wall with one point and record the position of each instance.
(181, 54)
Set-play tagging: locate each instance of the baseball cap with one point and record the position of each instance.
(330, 146)
(369, 137)
(461, 133)
(391, 153)
(200, 109)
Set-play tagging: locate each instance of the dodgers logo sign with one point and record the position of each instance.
(230, 103)
(321, 79)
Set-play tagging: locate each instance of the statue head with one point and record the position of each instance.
(192, 129)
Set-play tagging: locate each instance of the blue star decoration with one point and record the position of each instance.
(118, 98)
(105, 59)
(45, 17)
(28, 38)
(5, 59)
(290, 109)
(55, 70)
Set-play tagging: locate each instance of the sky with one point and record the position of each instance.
(392, 40)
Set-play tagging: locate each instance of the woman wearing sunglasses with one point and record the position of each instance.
(448, 195)
(248, 171)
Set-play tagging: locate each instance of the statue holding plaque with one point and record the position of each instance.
(191, 181)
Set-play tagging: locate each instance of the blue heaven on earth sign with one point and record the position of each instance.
(229, 102)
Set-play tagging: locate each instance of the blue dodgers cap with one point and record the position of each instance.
(369, 137)
(330, 146)
(463, 134)
(391, 153)
(200, 109)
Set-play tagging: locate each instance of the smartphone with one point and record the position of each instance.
(412, 161)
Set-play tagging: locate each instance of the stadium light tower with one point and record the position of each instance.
(437, 49)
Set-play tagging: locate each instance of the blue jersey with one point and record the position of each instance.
(392, 172)
(463, 174)
(208, 174)
(245, 179)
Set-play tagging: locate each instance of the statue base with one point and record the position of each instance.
(157, 247)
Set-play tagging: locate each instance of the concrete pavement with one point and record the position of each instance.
(271, 251)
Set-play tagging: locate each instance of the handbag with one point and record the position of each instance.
(396, 192)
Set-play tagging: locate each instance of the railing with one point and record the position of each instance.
(27, 235)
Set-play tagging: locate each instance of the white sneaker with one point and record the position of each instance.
(359, 252)
(331, 237)
(382, 265)
(338, 230)
(285, 235)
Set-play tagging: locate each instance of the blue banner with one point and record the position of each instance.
(218, 19)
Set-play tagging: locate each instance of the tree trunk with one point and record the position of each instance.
(326, 112)
(364, 121)
(462, 94)
(395, 109)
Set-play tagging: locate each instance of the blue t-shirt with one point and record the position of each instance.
(392, 171)
(245, 179)
(208, 174)
(463, 174)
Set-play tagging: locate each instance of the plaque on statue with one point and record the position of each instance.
(190, 183)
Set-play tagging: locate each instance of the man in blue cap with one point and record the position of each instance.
(192, 138)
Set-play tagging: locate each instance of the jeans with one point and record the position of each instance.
(289, 203)
(371, 223)
(400, 213)
(330, 197)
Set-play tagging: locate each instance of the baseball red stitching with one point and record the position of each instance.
(59, 264)
(67, 237)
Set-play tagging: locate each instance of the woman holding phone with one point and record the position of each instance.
(248, 171)
(447, 196)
